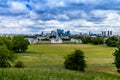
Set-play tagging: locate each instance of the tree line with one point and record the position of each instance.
(16, 44)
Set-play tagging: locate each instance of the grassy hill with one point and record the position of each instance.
(53, 74)
(45, 62)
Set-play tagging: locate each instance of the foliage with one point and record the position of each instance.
(6, 57)
(6, 41)
(112, 41)
(75, 61)
(19, 64)
(97, 40)
(19, 44)
(52, 37)
(75, 37)
(46, 39)
(116, 54)
(86, 39)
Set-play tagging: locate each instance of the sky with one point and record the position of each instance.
(34, 16)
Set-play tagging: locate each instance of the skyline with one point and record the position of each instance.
(35, 16)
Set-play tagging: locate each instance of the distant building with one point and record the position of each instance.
(53, 33)
(60, 32)
(56, 40)
(32, 40)
(67, 33)
(107, 33)
(79, 41)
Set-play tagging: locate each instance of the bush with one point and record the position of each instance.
(75, 61)
(6, 57)
(19, 64)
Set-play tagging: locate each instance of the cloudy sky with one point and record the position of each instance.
(34, 16)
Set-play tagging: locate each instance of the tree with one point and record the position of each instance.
(7, 57)
(19, 44)
(112, 41)
(116, 54)
(97, 40)
(86, 39)
(6, 41)
(75, 61)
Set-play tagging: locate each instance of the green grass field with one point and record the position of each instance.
(53, 54)
(46, 62)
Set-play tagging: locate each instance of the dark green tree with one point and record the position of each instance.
(86, 39)
(116, 54)
(112, 41)
(97, 40)
(6, 41)
(7, 57)
(19, 44)
(75, 61)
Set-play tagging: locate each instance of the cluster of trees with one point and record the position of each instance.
(10, 45)
(88, 39)
(93, 40)
(16, 44)
(113, 41)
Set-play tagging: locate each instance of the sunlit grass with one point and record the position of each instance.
(92, 51)
(52, 55)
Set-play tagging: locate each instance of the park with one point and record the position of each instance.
(45, 62)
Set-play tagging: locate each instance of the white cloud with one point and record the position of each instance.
(62, 17)
(55, 3)
(17, 6)
(90, 15)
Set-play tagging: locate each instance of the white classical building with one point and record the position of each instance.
(32, 40)
(56, 40)
(76, 40)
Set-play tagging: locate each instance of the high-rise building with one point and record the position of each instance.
(107, 33)
(67, 33)
(60, 32)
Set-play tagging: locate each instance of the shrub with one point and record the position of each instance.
(19, 64)
(75, 61)
(6, 57)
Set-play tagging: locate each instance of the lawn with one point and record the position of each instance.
(53, 55)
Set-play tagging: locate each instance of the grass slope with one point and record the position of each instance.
(53, 74)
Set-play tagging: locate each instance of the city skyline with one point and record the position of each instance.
(35, 16)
